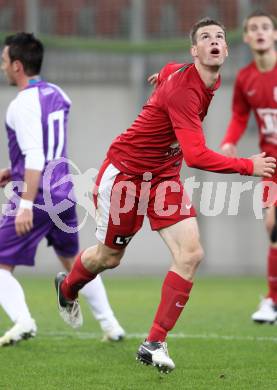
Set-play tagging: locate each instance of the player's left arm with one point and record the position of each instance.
(184, 115)
(28, 128)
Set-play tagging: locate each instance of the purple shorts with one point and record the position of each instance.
(20, 250)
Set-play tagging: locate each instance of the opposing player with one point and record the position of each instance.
(36, 125)
(141, 175)
(256, 90)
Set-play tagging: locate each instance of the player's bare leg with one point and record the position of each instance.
(86, 267)
(96, 296)
(13, 302)
(267, 311)
(183, 241)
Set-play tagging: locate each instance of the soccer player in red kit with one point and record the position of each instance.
(256, 89)
(141, 175)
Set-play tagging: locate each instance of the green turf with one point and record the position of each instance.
(221, 349)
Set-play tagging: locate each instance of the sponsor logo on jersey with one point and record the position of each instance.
(251, 92)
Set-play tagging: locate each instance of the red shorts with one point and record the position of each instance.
(123, 200)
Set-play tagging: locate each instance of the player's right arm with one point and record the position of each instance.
(24, 117)
(238, 122)
(188, 129)
(153, 78)
(198, 155)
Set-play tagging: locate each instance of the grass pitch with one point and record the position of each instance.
(214, 345)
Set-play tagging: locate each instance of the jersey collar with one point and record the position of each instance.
(34, 80)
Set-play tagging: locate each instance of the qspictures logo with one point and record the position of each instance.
(79, 189)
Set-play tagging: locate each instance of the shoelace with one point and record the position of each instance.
(164, 347)
(73, 310)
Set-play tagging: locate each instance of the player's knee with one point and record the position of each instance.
(112, 259)
(7, 267)
(195, 256)
(269, 224)
(271, 227)
(191, 257)
(273, 234)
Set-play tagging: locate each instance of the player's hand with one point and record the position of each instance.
(153, 79)
(5, 176)
(229, 150)
(263, 166)
(23, 221)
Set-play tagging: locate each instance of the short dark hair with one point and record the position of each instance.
(258, 13)
(203, 23)
(27, 49)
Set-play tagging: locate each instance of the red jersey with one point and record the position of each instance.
(169, 128)
(257, 91)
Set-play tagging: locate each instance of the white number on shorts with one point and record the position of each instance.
(56, 116)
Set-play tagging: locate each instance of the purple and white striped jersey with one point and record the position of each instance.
(36, 124)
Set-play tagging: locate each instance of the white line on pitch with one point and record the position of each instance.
(209, 336)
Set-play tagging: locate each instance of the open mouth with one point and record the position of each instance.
(260, 40)
(215, 51)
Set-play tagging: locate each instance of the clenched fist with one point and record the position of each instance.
(263, 166)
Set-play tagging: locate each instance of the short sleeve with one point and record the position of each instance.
(25, 117)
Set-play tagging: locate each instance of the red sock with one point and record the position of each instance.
(175, 294)
(76, 279)
(272, 273)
